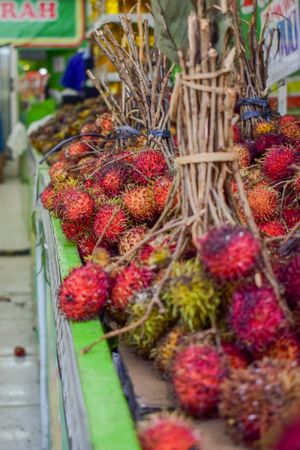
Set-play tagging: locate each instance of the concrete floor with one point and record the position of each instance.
(19, 377)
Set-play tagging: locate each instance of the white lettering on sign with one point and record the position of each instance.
(283, 15)
(28, 11)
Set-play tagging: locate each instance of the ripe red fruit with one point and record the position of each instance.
(149, 165)
(197, 373)
(168, 432)
(131, 238)
(47, 197)
(235, 356)
(86, 245)
(237, 134)
(110, 223)
(161, 191)
(265, 142)
(256, 317)
(76, 150)
(19, 352)
(243, 153)
(140, 203)
(277, 163)
(84, 292)
(286, 347)
(229, 252)
(129, 281)
(112, 178)
(273, 228)
(290, 126)
(290, 278)
(77, 206)
(58, 171)
(89, 128)
(263, 202)
(74, 230)
(105, 123)
(291, 216)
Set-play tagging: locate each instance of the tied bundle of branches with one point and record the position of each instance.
(253, 56)
(144, 75)
(203, 105)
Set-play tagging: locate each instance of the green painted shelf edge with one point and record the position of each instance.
(110, 423)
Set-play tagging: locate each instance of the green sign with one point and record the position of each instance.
(35, 23)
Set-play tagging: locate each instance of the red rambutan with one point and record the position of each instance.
(290, 126)
(236, 357)
(84, 292)
(237, 134)
(58, 171)
(131, 238)
(140, 204)
(273, 228)
(105, 123)
(197, 373)
(265, 142)
(77, 206)
(129, 281)
(277, 163)
(112, 178)
(161, 191)
(286, 347)
(263, 202)
(148, 165)
(74, 230)
(110, 223)
(89, 128)
(243, 153)
(229, 252)
(47, 197)
(168, 432)
(76, 149)
(86, 245)
(291, 280)
(291, 216)
(256, 317)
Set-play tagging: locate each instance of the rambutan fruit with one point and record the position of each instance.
(58, 171)
(229, 252)
(291, 216)
(110, 223)
(47, 197)
(76, 150)
(264, 127)
(277, 163)
(157, 252)
(105, 123)
(84, 292)
(286, 347)
(166, 348)
(96, 192)
(291, 281)
(265, 142)
(86, 245)
(243, 153)
(100, 256)
(129, 281)
(77, 206)
(112, 178)
(75, 230)
(289, 126)
(140, 204)
(197, 374)
(143, 338)
(148, 165)
(256, 317)
(254, 401)
(90, 127)
(236, 358)
(169, 432)
(161, 191)
(273, 228)
(131, 238)
(86, 165)
(263, 202)
(237, 134)
(190, 296)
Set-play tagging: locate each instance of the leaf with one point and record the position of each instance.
(171, 25)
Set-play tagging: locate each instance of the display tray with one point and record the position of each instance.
(104, 388)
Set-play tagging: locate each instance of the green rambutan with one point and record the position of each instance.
(148, 165)
(255, 400)
(144, 337)
(84, 292)
(110, 223)
(140, 204)
(277, 163)
(131, 238)
(256, 317)
(229, 252)
(197, 374)
(169, 432)
(263, 202)
(190, 296)
(129, 281)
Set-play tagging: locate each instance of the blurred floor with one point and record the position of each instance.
(19, 377)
